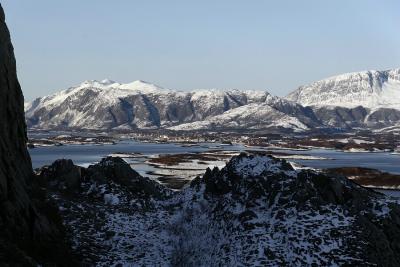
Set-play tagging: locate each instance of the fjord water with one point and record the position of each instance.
(383, 161)
(87, 154)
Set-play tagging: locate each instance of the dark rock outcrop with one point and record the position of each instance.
(256, 211)
(103, 196)
(118, 171)
(30, 229)
(63, 174)
(284, 208)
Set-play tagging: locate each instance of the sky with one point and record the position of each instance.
(185, 45)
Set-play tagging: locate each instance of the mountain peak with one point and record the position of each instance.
(255, 165)
(371, 89)
(107, 81)
(136, 86)
(143, 86)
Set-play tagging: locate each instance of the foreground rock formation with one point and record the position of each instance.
(256, 211)
(30, 230)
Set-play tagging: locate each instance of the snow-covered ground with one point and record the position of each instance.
(252, 116)
(257, 211)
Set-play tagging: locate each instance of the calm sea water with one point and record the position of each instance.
(382, 161)
(86, 154)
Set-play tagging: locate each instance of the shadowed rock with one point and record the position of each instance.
(257, 210)
(30, 229)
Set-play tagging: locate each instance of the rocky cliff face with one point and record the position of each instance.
(256, 211)
(27, 234)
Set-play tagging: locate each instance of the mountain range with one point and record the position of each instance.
(368, 99)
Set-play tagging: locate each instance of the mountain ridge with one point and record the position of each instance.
(370, 89)
(135, 105)
(368, 99)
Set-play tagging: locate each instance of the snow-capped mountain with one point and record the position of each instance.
(369, 99)
(370, 89)
(256, 211)
(251, 116)
(109, 105)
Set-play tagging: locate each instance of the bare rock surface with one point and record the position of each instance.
(31, 232)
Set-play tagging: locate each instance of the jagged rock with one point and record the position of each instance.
(109, 194)
(271, 199)
(256, 211)
(117, 170)
(62, 173)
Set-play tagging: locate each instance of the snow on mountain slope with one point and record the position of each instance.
(251, 116)
(370, 89)
(324, 104)
(107, 104)
(108, 89)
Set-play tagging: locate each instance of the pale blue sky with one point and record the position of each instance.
(266, 45)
